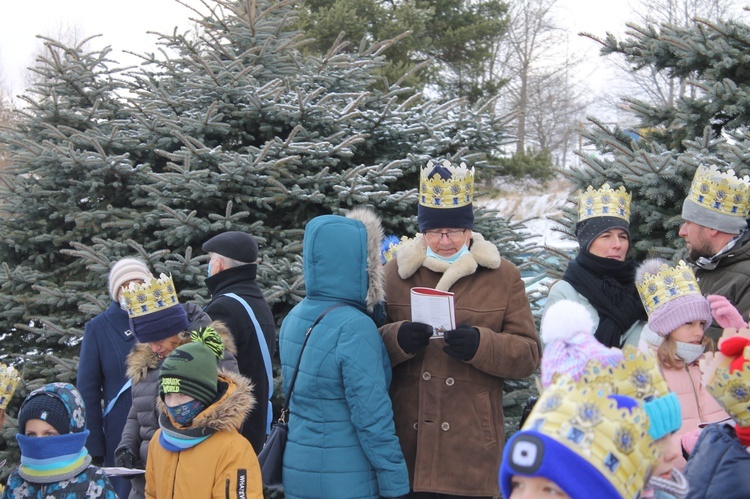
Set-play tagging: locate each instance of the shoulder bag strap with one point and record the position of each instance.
(285, 409)
(264, 351)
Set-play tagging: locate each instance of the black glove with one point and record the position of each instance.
(97, 461)
(124, 458)
(462, 342)
(413, 336)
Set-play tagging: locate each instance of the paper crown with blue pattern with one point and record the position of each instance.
(9, 379)
(718, 200)
(604, 202)
(153, 308)
(588, 441)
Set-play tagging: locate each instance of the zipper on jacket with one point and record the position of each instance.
(174, 478)
(226, 488)
(695, 394)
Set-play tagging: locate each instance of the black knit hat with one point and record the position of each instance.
(233, 244)
(49, 409)
(591, 228)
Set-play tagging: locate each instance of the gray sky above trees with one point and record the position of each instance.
(126, 28)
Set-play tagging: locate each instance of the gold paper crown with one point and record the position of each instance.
(604, 202)
(666, 285)
(149, 297)
(454, 192)
(721, 192)
(392, 248)
(730, 389)
(614, 440)
(637, 375)
(9, 379)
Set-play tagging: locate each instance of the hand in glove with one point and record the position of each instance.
(724, 312)
(413, 336)
(462, 342)
(124, 458)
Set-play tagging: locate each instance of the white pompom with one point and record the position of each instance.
(565, 319)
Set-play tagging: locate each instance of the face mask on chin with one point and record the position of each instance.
(450, 259)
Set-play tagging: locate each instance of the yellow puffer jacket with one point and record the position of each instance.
(223, 466)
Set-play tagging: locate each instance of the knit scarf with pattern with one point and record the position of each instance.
(53, 459)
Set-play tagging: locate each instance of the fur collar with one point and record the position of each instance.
(376, 288)
(141, 359)
(412, 255)
(226, 414)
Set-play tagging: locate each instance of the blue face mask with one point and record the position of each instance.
(450, 259)
(184, 414)
(208, 270)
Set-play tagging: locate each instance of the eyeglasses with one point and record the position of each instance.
(434, 236)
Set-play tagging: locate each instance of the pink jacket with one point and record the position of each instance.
(698, 406)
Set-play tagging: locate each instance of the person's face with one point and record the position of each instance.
(672, 450)
(697, 239)
(164, 347)
(612, 244)
(215, 265)
(527, 487)
(691, 332)
(175, 399)
(39, 428)
(447, 242)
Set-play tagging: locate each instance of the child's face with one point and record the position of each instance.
(39, 428)
(175, 399)
(692, 332)
(523, 487)
(672, 450)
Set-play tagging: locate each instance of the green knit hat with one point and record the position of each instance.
(192, 369)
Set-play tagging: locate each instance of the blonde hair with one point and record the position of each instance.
(667, 352)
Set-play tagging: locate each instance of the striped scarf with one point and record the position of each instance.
(53, 459)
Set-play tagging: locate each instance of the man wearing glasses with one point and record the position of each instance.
(447, 391)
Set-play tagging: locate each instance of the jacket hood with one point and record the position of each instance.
(141, 359)
(412, 255)
(341, 258)
(236, 400)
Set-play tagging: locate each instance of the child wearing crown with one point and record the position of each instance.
(601, 277)
(160, 324)
(603, 422)
(678, 316)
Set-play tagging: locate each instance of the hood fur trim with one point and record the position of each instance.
(141, 359)
(412, 255)
(227, 413)
(371, 221)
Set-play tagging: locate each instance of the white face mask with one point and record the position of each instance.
(123, 303)
(689, 352)
(450, 259)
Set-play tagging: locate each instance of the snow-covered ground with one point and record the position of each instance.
(531, 201)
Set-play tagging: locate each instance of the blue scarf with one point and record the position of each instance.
(53, 459)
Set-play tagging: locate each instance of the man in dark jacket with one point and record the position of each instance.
(715, 233)
(238, 302)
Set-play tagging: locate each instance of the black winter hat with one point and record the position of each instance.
(236, 245)
(49, 409)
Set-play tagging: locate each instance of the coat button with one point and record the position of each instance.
(445, 426)
(416, 426)
(426, 376)
(449, 381)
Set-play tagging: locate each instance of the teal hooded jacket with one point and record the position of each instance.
(342, 441)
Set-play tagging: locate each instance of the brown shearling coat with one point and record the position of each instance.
(449, 413)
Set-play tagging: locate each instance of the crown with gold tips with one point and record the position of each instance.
(604, 202)
(149, 297)
(454, 192)
(721, 192)
(390, 247)
(666, 285)
(613, 439)
(9, 379)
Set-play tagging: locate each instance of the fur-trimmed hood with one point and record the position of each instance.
(341, 258)
(225, 414)
(412, 255)
(141, 359)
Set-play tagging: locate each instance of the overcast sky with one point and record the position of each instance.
(125, 27)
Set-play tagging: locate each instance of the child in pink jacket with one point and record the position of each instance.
(678, 316)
